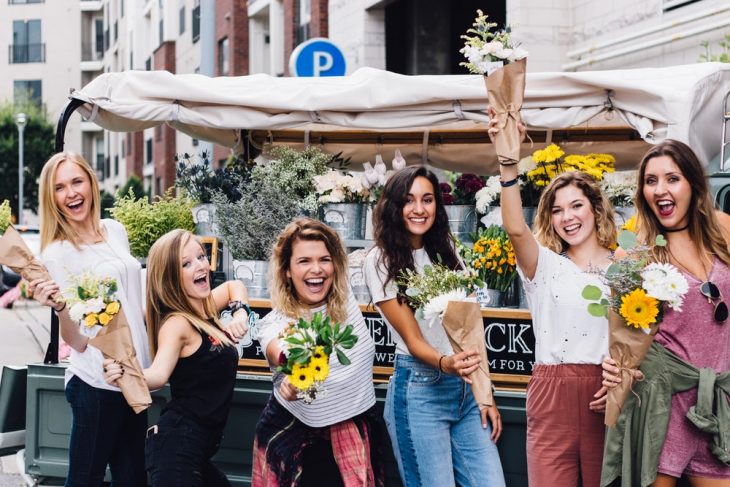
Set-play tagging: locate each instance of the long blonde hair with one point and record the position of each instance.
(165, 293)
(704, 227)
(283, 295)
(54, 225)
(602, 211)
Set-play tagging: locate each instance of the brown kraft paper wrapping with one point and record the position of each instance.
(115, 342)
(15, 254)
(465, 329)
(506, 91)
(627, 346)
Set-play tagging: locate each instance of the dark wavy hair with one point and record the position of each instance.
(391, 235)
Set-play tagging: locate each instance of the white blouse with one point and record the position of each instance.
(110, 258)
(565, 333)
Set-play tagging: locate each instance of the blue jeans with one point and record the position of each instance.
(178, 452)
(105, 430)
(436, 430)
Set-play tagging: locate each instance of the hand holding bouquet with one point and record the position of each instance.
(92, 300)
(306, 349)
(639, 291)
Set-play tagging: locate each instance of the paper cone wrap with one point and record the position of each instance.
(506, 91)
(627, 346)
(15, 254)
(115, 342)
(465, 329)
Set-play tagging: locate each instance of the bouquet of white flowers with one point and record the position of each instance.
(487, 50)
(337, 187)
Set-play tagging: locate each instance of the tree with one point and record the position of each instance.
(135, 184)
(38, 147)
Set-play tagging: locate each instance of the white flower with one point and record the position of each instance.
(503, 53)
(398, 161)
(665, 283)
(526, 165)
(77, 311)
(491, 48)
(435, 308)
(517, 54)
(94, 306)
(486, 195)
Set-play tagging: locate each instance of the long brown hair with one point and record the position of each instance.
(54, 225)
(704, 227)
(165, 293)
(602, 211)
(283, 295)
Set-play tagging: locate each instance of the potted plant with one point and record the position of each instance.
(199, 181)
(343, 203)
(460, 201)
(145, 222)
(493, 259)
(620, 188)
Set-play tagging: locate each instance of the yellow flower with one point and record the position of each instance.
(319, 353)
(320, 368)
(630, 225)
(301, 377)
(91, 319)
(113, 308)
(104, 319)
(638, 309)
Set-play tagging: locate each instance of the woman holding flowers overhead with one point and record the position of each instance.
(105, 430)
(677, 422)
(574, 235)
(196, 355)
(329, 435)
(439, 435)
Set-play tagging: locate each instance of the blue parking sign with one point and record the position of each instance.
(317, 57)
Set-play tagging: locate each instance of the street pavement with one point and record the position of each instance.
(24, 335)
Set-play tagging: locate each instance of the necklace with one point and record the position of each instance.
(676, 229)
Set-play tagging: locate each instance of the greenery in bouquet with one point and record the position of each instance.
(145, 222)
(639, 287)
(6, 216)
(429, 291)
(620, 187)
(338, 187)
(485, 46)
(306, 348)
(293, 171)
(200, 181)
(492, 258)
(464, 190)
(92, 300)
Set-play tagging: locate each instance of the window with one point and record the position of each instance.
(107, 167)
(28, 91)
(305, 15)
(27, 46)
(162, 31)
(148, 149)
(148, 64)
(182, 20)
(116, 30)
(116, 165)
(196, 21)
(223, 57)
(99, 36)
(100, 158)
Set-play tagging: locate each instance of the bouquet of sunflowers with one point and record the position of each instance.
(492, 257)
(92, 300)
(640, 290)
(306, 349)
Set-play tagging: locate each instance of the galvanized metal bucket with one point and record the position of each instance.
(205, 221)
(253, 274)
(490, 298)
(347, 219)
(462, 221)
(358, 285)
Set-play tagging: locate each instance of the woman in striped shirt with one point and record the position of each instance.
(320, 443)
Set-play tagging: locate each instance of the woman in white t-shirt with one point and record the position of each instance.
(439, 435)
(574, 235)
(335, 440)
(105, 430)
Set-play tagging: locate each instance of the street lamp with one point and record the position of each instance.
(20, 121)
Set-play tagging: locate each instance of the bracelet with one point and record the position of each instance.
(62, 308)
(508, 162)
(507, 184)
(440, 359)
(238, 305)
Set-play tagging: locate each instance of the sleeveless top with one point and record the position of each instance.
(202, 383)
(693, 334)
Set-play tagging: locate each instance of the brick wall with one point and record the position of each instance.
(135, 153)
(163, 140)
(318, 25)
(291, 21)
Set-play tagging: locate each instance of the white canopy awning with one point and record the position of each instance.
(682, 102)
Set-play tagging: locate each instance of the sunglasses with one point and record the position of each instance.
(712, 292)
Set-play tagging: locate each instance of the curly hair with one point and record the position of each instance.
(602, 211)
(704, 227)
(283, 295)
(390, 232)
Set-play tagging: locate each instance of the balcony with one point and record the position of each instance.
(26, 53)
(91, 56)
(91, 5)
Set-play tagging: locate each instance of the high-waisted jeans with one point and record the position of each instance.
(436, 430)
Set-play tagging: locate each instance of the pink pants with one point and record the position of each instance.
(564, 437)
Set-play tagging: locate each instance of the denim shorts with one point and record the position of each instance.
(436, 430)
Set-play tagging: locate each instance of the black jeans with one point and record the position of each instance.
(105, 430)
(178, 452)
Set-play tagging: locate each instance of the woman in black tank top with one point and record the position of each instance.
(196, 355)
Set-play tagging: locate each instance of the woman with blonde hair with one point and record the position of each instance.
(105, 430)
(682, 426)
(196, 354)
(335, 440)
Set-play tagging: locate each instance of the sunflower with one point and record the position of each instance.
(319, 354)
(301, 377)
(320, 368)
(639, 309)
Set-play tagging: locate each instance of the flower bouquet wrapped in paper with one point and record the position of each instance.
(439, 294)
(14, 252)
(503, 65)
(93, 302)
(306, 349)
(639, 291)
